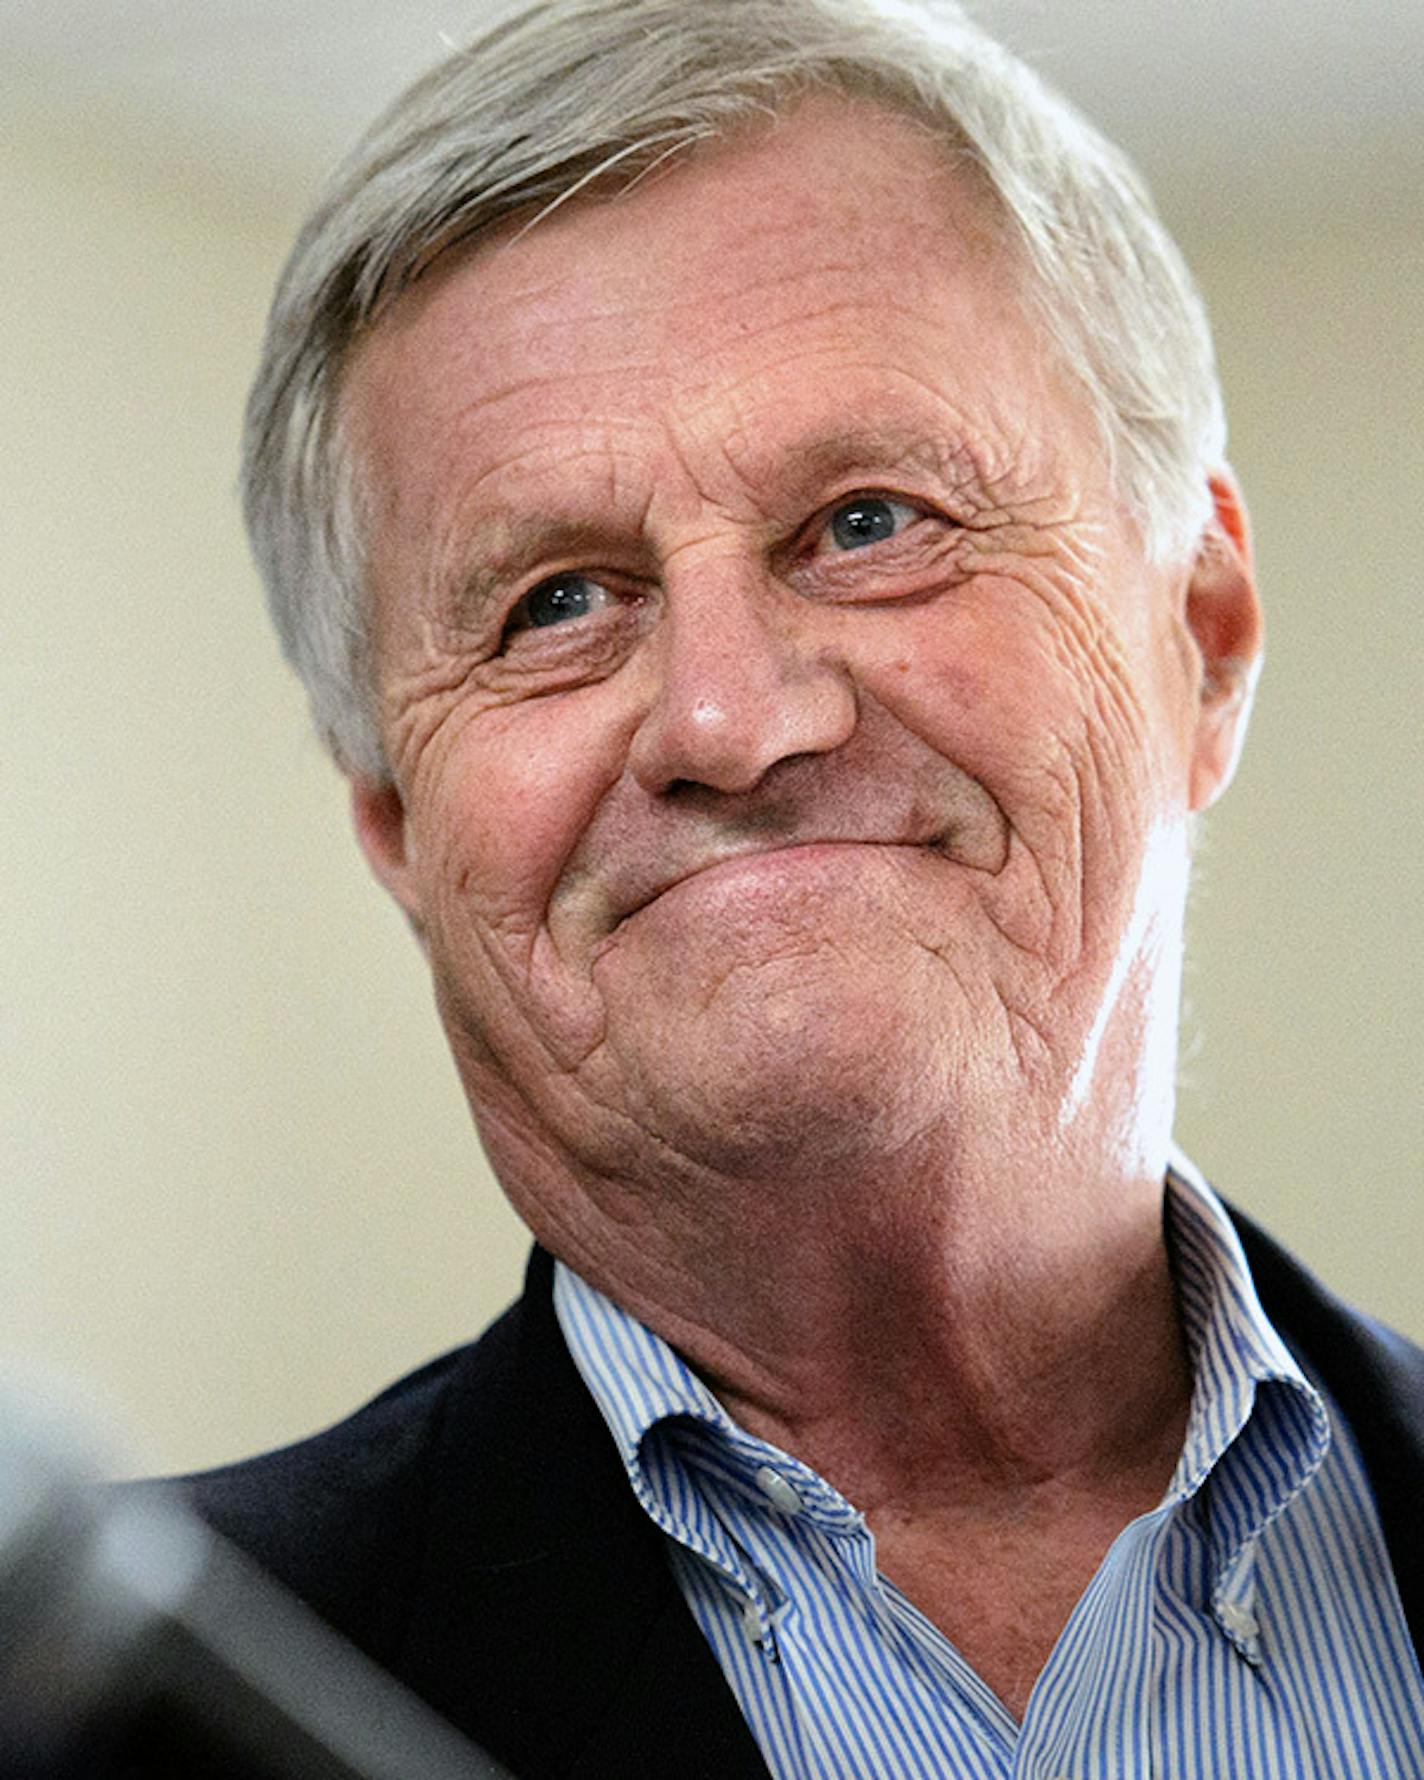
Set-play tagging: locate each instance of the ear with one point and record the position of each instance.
(1223, 616)
(378, 814)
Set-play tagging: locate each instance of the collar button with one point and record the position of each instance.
(778, 1490)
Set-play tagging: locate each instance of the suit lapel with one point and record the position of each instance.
(1377, 1378)
(668, 1714)
(546, 1621)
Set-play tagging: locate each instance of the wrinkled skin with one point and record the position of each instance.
(602, 824)
(792, 752)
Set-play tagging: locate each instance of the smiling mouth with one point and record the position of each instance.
(747, 858)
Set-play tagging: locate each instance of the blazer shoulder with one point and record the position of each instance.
(1358, 1354)
(1376, 1376)
(339, 1516)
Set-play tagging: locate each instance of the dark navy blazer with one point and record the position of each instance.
(473, 1530)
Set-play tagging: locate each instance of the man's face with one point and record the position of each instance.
(785, 723)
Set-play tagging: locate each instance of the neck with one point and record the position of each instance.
(934, 1328)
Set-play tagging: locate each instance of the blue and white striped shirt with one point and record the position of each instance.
(1249, 1625)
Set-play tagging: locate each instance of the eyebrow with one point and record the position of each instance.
(822, 457)
(500, 547)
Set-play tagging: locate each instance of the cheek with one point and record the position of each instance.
(503, 799)
(1051, 726)
(986, 690)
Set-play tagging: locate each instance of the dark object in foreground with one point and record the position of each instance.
(135, 1644)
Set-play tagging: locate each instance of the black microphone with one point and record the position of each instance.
(136, 1644)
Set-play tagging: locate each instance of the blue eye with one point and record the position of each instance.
(556, 600)
(868, 519)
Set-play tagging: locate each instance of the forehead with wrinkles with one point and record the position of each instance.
(668, 307)
(696, 367)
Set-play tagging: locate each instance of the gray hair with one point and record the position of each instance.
(563, 95)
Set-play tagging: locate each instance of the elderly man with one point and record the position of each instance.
(743, 486)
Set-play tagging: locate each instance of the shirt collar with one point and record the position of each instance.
(1257, 1430)
(1238, 1360)
(668, 1427)
(1256, 1427)
(637, 1380)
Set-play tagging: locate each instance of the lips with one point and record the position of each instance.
(971, 833)
(884, 789)
(730, 855)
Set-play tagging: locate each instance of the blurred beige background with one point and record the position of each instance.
(239, 1190)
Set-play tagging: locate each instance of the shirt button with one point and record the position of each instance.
(1237, 1619)
(778, 1491)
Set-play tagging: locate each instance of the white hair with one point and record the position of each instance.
(560, 95)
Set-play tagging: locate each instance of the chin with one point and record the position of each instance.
(793, 1081)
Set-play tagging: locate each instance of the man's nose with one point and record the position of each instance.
(742, 683)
